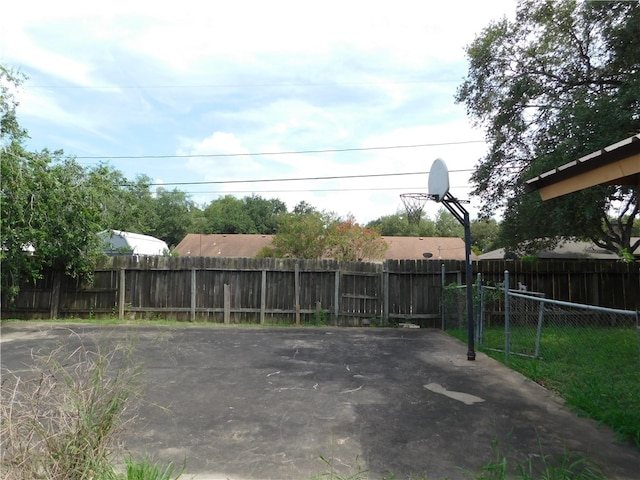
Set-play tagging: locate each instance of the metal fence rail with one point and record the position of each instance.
(521, 323)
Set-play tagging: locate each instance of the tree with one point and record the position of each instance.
(300, 236)
(173, 212)
(252, 214)
(348, 241)
(264, 213)
(50, 217)
(559, 82)
(397, 225)
(485, 234)
(228, 215)
(447, 225)
(321, 234)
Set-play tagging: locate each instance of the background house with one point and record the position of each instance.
(246, 245)
(117, 242)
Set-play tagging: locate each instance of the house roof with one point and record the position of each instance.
(440, 248)
(617, 164)
(572, 250)
(246, 245)
(222, 245)
(119, 242)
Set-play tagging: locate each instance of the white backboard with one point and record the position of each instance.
(438, 180)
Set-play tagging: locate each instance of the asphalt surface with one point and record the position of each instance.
(294, 403)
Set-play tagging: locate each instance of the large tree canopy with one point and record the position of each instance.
(558, 82)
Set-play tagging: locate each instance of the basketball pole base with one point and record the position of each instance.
(461, 214)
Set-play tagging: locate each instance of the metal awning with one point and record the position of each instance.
(617, 164)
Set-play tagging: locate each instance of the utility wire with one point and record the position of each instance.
(238, 85)
(328, 150)
(289, 179)
(364, 189)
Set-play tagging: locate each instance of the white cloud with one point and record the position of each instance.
(253, 76)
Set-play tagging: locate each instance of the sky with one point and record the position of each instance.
(234, 97)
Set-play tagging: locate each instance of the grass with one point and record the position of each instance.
(569, 466)
(596, 370)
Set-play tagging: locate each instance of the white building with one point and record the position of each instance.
(117, 242)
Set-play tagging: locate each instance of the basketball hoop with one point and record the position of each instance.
(414, 204)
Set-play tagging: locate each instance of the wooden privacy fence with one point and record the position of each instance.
(233, 290)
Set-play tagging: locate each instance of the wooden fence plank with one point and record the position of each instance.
(289, 289)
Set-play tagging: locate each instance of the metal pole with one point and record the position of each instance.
(471, 353)
(442, 295)
(480, 308)
(507, 328)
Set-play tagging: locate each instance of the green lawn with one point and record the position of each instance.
(596, 370)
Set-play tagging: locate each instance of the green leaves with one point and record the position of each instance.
(558, 83)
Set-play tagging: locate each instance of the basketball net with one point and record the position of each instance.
(414, 205)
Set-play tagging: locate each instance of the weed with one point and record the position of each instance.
(61, 418)
(145, 469)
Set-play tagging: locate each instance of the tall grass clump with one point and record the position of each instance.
(62, 415)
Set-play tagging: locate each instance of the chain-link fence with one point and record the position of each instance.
(588, 354)
(526, 324)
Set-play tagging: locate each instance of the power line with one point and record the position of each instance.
(290, 179)
(316, 190)
(328, 150)
(238, 85)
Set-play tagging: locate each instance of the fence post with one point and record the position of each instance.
(480, 302)
(336, 297)
(539, 332)
(227, 304)
(121, 292)
(296, 283)
(385, 293)
(507, 328)
(263, 296)
(192, 313)
(443, 275)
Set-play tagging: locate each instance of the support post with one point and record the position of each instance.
(507, 319)
(263, 296)
(336, 297)
(385, 293)
(480, 308)
(227, 304)
(192, 312)
(443, 286)
(297, 292)
(539, 331)
(460, 213)
(121, 293)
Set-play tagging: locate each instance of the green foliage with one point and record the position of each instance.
(557, 83)
(50, 217)
(397, 225)
(447, 225)
(485, 235)
(348, 241)
(318, 235)
(147, 469)
(174, 215)
(248, 215)
(300, 236)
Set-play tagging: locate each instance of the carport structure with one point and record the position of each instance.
(617, 164)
